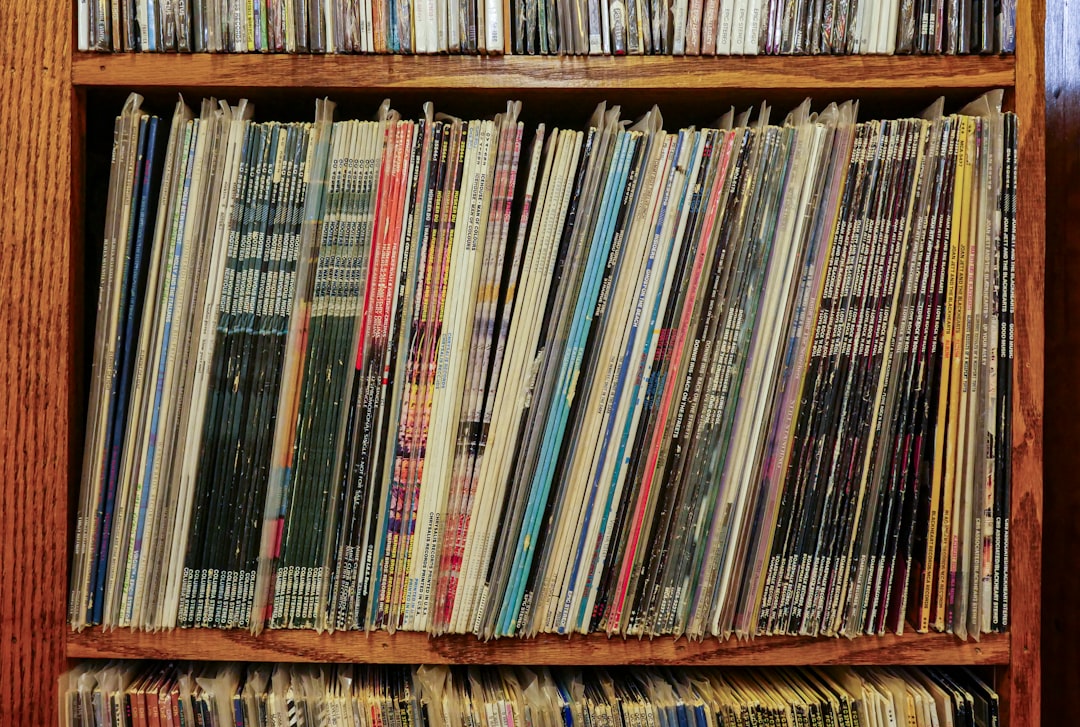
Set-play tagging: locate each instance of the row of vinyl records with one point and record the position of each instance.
(133, 694)
(595, 27)
(433, 375)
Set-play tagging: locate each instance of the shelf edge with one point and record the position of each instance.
(594, 650)
(478, 74)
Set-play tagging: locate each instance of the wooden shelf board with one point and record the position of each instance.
(419, 648)
(567, 73)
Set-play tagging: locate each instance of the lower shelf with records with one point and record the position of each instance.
(137, 694)
(453, 376)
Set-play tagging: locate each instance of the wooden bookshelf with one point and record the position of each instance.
(53, 92)
(596, 649)
(512, 74)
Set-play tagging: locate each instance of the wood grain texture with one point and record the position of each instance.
(509, 73)
(35, 354)
(1021, 683)
(1061, 589)
(418, 648)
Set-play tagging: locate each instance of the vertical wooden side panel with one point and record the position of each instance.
(35, 348)
(1060, 618)
(1021, 682)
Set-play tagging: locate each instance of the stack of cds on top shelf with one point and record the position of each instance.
(569, 27)
(123, 694)
(753, 27)
(449, 376)
(292, 26)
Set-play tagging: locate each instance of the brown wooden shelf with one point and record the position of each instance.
(419, 648)
(334, 73)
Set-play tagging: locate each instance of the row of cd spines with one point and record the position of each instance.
(575, 27)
